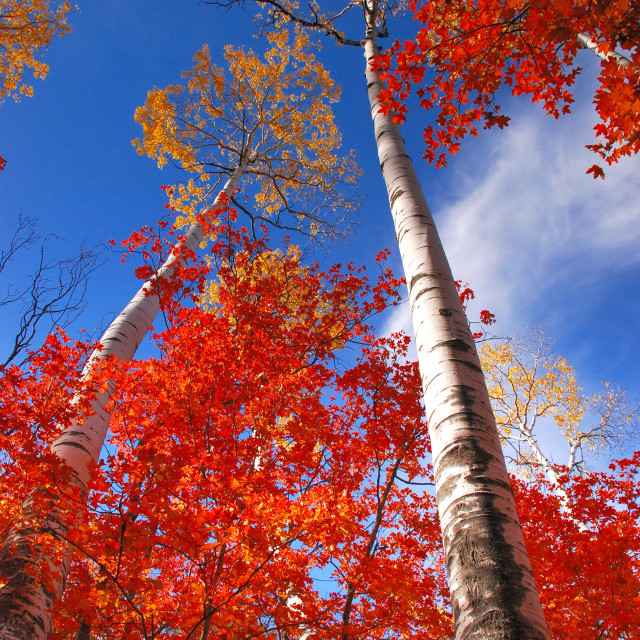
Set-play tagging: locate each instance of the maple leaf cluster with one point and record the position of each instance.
(258, 482)
(585, 555)
(486, 318)
(464, 52)
(252, 482)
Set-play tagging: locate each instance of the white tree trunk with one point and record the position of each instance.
(25, 605)
(590, 43)
(545, 464)
(492, 586)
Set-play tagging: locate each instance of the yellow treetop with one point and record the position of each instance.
(274, 113)
(528, 385)
(26, 29)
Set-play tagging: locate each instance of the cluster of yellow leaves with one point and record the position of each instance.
(527, 384)
(26, 28)
(526, 390)
(270, 114)
(272, 263)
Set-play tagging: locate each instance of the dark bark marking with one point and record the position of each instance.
(457, 344)
(463, 396)
(408, 217)
(479, 541)
(416, 278)
(19, 592)
(74, 433)
(470, 365)
(74, 444)
(425, 290)
(451, 388)
(395, 196)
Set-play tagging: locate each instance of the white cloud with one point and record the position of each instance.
(542, 242)
(531, 221)
(534, 220)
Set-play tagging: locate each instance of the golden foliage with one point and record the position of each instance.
(528, 384)
(26, 28)
(271, 114)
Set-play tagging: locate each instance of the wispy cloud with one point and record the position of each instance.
(529, 220)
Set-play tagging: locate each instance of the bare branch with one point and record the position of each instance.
(282, 10)
(529, 384)
(55, 292)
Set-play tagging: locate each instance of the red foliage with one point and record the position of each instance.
(587, 558)
(472, 49)
(252, 480)
(245, 471)
(466, 295)
(256, 484)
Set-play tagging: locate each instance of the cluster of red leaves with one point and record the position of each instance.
(238, 494)
(3, 163)
(587, 559)
(252, 483)
(35, 406)
(466, 295)
(465, 51)
(163, 244)
(255, 485)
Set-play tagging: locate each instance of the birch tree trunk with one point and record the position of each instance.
(591, 44)
(545, 464)
(25, 604)
(493, 592)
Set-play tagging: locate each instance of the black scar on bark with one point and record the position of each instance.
(468, 364)
(483, 545)
(456, 344)
(423, 292)
(396, 194)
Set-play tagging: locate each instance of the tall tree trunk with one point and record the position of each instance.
(493, 592)
(25, 603)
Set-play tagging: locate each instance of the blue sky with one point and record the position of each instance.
(538, 240)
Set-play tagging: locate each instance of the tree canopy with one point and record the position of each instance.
(275, 114)
(27, 27)
(464, 52)
(266, 470)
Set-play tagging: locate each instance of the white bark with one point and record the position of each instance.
(81, 444)
(545, 463)
(492, 587)
(24, 604)
(590, 43)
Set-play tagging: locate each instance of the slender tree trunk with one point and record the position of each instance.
(25, 604)
(546, 465)
(590, 43)
(493, 592)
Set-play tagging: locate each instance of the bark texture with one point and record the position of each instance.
(493, 592)
(25, 604)
(590, 43)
